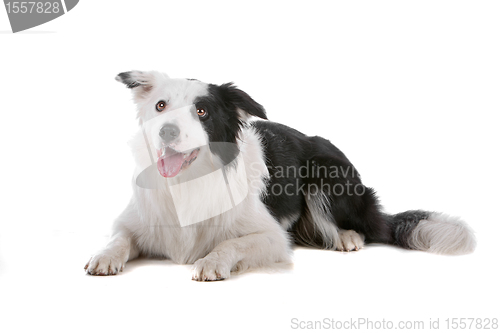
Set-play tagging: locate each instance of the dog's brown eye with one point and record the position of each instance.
(201, 112)
(160, 106)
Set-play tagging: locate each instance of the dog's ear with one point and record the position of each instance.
(141, 83)
(243, 101)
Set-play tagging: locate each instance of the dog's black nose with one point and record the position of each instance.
(169, 132)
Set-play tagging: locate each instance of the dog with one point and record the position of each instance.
(219, 186)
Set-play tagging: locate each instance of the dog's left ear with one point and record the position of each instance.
(243, 101)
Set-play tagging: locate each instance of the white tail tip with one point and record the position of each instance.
(443, 234)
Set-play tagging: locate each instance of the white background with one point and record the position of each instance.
(408, 90)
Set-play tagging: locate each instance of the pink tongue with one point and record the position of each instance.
(169, 166)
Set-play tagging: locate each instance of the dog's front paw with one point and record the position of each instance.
(211, 268)
(104, 264)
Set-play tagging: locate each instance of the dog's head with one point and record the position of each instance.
(185, 117)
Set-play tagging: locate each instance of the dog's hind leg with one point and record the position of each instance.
(350, 240)
(120, 249)
(317, 227)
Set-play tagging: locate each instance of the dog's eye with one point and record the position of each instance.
(160, 106)
(201, 112)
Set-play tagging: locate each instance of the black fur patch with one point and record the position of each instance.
(315, 159)
(241, 100)
(223, 123)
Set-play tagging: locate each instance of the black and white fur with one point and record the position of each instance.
(258, 231)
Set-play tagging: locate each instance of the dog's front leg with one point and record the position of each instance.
(252, 250)
(120, 248)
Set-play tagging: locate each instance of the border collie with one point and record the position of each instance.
(220, 189)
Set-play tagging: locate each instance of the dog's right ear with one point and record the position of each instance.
(141, 83)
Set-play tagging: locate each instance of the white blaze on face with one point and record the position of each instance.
(173, 155)
(191, 133)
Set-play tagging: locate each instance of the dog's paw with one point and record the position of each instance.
(350, 240)
(104, 264)
(211, 268)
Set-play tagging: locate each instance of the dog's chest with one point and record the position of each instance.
(159, 236)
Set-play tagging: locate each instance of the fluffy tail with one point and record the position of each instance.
(431, 232)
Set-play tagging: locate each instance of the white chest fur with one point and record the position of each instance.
(160, 229)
